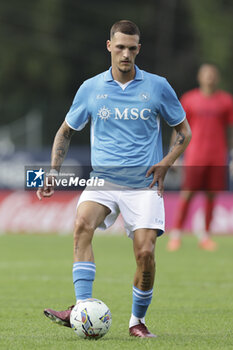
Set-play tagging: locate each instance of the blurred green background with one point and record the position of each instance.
(49, 47)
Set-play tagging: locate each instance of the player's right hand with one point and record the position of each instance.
(47, 190)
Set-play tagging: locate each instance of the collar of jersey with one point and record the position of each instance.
(138, 76)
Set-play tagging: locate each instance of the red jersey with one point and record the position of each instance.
(209, 117)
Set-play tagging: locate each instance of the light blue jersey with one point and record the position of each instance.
(125, 124)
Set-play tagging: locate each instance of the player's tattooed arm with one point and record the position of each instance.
(179, 140)
(61, 145)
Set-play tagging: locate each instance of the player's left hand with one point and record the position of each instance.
(159, 171)
(46, 190)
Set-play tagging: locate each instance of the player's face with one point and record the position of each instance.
(208, 76)
(124, 49)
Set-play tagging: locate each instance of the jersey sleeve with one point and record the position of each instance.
(78, 115)
(170, 107)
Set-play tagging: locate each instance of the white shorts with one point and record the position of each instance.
(140, 208)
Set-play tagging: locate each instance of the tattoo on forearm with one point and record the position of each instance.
(60, 147)
(68, 133)
(179, 140)
(146, 280)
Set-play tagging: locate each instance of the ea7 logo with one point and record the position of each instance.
(133, 113)
(100, 96)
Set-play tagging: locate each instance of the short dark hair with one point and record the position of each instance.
(125, 27)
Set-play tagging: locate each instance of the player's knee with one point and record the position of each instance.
(145, 258)
(83, 227)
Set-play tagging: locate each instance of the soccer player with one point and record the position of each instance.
(124, 104)
(210, 113)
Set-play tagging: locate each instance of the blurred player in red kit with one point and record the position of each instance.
(210, 115)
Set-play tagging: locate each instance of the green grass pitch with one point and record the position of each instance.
(192, 306)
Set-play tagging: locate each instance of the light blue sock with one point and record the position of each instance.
(141, 301)
(83, 277)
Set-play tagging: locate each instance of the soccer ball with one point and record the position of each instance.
(90, 318)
